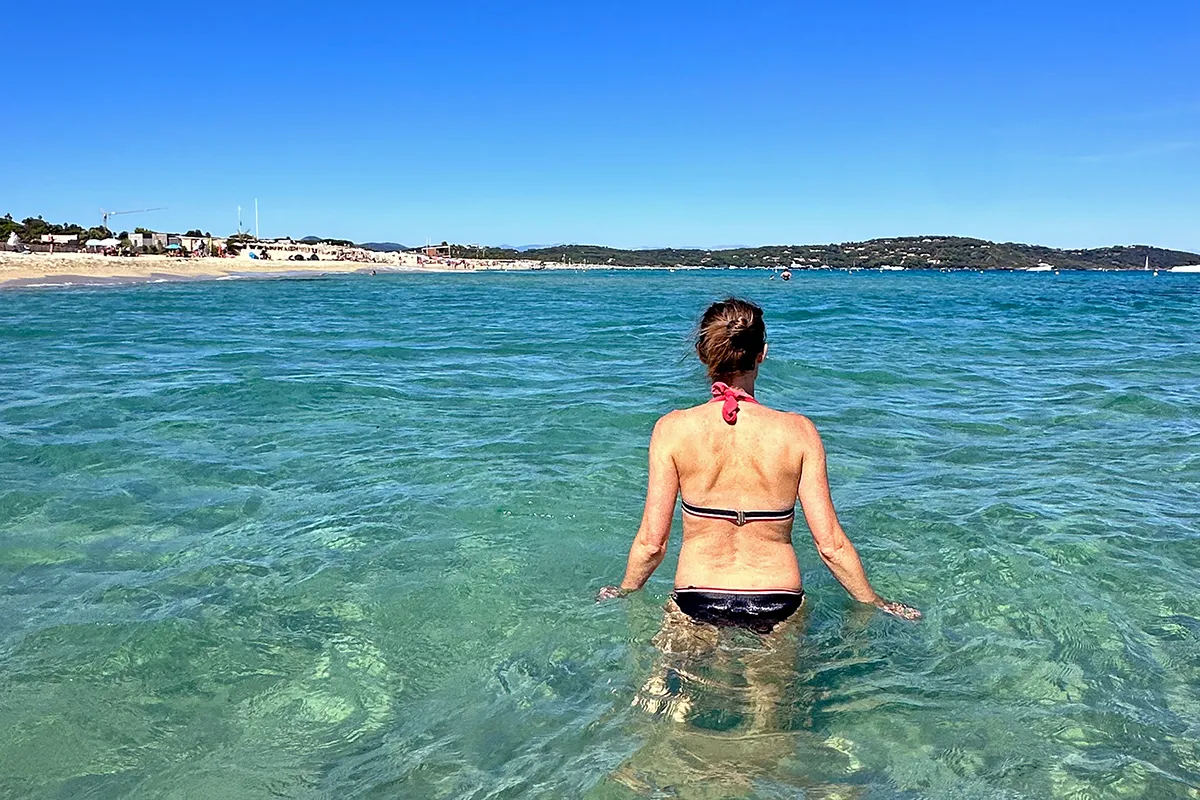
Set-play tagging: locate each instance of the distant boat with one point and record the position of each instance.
(1147, 267)
(891, 268)
(1043, 267)
(1185, 268)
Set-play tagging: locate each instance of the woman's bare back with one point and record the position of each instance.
(753, 465)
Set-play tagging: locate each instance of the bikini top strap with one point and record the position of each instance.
(730, 395)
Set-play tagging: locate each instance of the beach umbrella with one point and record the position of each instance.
(174, 247)
(93, 243)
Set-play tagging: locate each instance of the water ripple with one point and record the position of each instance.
(339, 538)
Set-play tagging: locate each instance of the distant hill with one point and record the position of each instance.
(913, 252)
(521, 248)
(383, 247)
(326, 240)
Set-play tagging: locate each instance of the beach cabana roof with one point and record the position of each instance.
(93, 243)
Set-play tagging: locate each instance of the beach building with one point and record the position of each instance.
(202, 245)
(206, 245)
(56, 242)
(148, 240)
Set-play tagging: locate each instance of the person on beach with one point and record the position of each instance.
(740, 468)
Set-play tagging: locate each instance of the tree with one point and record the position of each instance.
(35, 228)
(194, 232)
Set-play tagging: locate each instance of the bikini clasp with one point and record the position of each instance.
(741, 518)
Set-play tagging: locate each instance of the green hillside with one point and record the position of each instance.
(913, 252)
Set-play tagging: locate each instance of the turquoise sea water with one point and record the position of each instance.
(339, 538)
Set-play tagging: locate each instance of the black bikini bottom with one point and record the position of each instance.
(759, 611)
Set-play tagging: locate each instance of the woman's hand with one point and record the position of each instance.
(897, 609)
(609, 593)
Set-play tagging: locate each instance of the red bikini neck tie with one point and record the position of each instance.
(730, 395)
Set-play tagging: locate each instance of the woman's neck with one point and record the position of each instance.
(744, 381)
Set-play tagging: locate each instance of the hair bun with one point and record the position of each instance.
(730, 337)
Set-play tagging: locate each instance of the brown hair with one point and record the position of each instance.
(731, 337)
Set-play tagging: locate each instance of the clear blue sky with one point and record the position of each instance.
(621, 123)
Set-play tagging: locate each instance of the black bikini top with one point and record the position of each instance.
(739, 517)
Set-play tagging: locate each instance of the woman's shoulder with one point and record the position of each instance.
(795, 418)
(678, 417)
(680, 422)
(804, 428)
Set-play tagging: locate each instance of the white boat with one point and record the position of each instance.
(891, 268)
(1040, 268)
(1185, 268)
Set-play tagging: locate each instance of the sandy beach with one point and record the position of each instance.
(33, 269)
(64, 269)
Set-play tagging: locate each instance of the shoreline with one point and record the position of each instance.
(44, 270)
(62, 270)
(41, 270)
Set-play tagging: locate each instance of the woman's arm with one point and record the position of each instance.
(650, 545)
(833, 545)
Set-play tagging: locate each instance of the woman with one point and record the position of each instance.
(740, 467)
